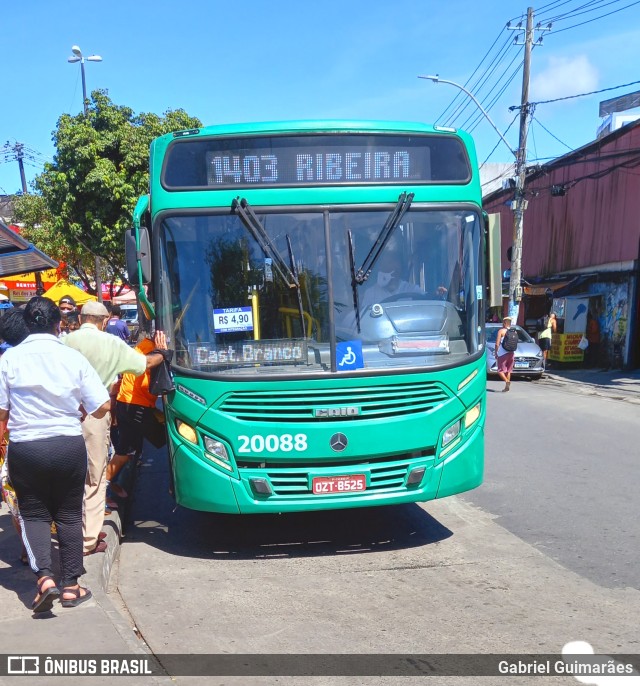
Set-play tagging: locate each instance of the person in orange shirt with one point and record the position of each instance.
(135, 406)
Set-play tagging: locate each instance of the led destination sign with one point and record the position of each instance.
(315, 160)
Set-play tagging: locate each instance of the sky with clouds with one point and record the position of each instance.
(254, 60)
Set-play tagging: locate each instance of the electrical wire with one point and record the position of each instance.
(549, 132)
(573, 26)
(498, 95)
(551, 6)
(579, 95)
(498, 143)
(593, 6)
(479, 82)
(470, 77)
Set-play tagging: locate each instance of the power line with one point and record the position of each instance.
(579, 95)
(549, 132)
(470, 77)
(593, 6)
(550, 6)
(483, 98)
(596, 18)
(481, 80)
(498, 143)
(496, 84)
(499, 94)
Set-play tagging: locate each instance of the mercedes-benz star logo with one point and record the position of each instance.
(338, 442)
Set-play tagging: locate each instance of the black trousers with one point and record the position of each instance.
(48, 475)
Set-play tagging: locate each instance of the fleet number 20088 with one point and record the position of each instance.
(273, 443)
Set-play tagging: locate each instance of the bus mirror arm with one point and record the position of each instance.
(138, 256)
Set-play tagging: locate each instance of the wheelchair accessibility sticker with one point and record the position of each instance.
(349, 355)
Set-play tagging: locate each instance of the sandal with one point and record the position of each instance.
(118, 491)
(78, 598)
(44, 600)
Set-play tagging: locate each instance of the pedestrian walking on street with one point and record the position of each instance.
(505, 355)
(109, 356)
(42, 386)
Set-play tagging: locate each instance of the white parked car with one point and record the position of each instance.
(529, 360)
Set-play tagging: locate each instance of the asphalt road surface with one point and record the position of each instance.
(541, 554)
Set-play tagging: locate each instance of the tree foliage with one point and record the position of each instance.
(85, 198)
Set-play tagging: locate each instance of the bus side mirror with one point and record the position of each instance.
(494, 267)
(133, 256)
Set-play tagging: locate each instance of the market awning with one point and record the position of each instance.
(18, 256)
(543, 287)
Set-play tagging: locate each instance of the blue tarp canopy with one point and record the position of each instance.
(18, 256)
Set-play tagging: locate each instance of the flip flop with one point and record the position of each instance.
(78, 600)
(45, 602)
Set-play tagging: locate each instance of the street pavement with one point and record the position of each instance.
(97, 627)
(613, 384)
(100, 626)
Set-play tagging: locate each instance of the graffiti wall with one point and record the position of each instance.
(612, 316)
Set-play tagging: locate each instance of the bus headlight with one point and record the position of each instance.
(472, 416)
(216, 449)
(187, 432)
(451, 433)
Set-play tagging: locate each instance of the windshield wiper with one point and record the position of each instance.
(288, 274)
(354, 280)
(294, 271)
(251, 221)
(394, 219)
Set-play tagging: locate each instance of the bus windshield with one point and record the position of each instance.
(277, 296)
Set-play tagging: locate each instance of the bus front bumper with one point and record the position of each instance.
(200, 485)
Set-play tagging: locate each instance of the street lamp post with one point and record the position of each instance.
(515, 290)
(437, 79)
(79, 57)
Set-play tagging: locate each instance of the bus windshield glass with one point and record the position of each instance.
(277, 295)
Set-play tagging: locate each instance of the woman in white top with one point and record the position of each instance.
(43, 385)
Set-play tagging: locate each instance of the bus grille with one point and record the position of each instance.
(295, 482)
(374, 402)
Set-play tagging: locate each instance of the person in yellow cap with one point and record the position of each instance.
(109, 356)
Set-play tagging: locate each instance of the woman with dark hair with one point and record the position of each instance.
(13, 331)
(43, 385)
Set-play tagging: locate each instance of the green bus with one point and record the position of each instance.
(322, 285)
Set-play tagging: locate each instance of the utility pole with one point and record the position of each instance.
(18, 150)
(520, 202)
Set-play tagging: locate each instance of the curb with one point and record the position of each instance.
(99, 570)
(629, 394)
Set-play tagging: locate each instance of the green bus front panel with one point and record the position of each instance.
(274, 443)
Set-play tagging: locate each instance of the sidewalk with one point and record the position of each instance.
(99, 627)
(614, 384)
(96, 627)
